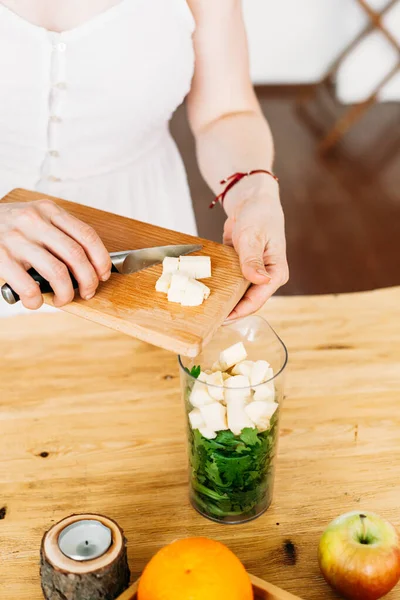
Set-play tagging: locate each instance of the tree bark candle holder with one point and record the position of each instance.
(84, 557)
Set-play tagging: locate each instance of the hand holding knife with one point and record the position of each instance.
(124, 263)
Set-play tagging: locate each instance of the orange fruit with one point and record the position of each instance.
(195, 569)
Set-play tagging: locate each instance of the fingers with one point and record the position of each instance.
(85, 236)
(49, 267)
(257, 295)
(250, 246)
(65, 242)
(74, 256)
(19, 280)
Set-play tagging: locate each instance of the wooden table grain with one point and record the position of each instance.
(91, 421)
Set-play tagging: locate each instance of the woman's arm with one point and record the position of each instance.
(232, 136)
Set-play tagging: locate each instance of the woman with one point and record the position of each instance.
(87, 88)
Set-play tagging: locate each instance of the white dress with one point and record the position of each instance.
(84, 114)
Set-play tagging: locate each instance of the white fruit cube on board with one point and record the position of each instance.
(206, 290)
(179, 282)
(175, 295)
(196, 420)
(237, 417)
(215, 385)
(200, 396)
(243, 368)
(192, 295)
(199, 267)
(260, 372)
(232, 355)
(260, 413)
(208, 433)
(190, 273)
(237, 388)
(163, 283)
(195, 293)
(264, 392)
(214, 416)
(203, 269)
(170, 264)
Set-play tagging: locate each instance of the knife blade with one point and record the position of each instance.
(137, 260)
(124, 262)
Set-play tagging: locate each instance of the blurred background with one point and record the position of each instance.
(327, 74)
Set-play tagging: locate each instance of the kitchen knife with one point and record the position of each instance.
(124, 263)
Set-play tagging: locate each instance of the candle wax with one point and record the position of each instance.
(85, 540)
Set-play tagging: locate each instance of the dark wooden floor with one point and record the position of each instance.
(342, 212)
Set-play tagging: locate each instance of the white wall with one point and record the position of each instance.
(294, 41)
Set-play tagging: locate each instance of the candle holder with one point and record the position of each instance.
(82, 557)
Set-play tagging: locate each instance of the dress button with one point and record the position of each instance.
(61, 85)
(61, 47)
(55, 119)
(54, 153)
(54, 179)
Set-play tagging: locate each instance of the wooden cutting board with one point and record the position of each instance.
(130, 303)
(262, 591)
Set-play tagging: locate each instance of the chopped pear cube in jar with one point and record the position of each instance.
(200, 396)
(260, 413)
(196, 420)
(215, 385)
(232, 355)
(214, 416)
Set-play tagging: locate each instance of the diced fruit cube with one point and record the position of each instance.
(206, 290)
(238, 381)
(216, 367)
(200, 396)
(215, 385)
(195, 418)
(175, 295)
(198, 267)
(243, 368)
(232, 355)
(202, 376)
(260, 413)
(214, 416)
(163, 283)
(260, 372)
(208, 433)
(237, 387)
(237, 417)
(264, 392)
(179, 281)
(170, 264)
(193, 294)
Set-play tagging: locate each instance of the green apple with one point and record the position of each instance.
(359, 556)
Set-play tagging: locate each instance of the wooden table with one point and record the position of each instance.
(92, 420)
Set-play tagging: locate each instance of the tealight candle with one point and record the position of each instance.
(85, 540)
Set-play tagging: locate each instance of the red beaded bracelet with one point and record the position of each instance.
(233, 180)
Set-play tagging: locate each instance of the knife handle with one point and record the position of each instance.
(12, 297)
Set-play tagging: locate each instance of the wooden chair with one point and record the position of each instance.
(352, 114)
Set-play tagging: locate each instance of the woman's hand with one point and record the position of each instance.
(256, 230)
(44, 236)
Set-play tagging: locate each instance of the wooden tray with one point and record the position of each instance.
(262, 591)
(130, 303)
